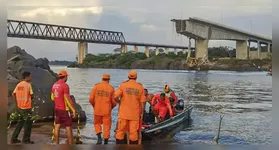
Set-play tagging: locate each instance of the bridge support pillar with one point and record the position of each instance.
(157, 51)
(241, 50)
(175, 52)
(259, 50)
(146, 51)
(264, 54)
(201, 49)
(184, 51)
(136, 49)
(82, 51)
(189, 49)
(123, 49)
(166, 50)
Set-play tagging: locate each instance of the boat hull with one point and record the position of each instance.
(168, 128)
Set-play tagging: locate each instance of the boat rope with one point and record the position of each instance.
(78, 138)
(52, 138)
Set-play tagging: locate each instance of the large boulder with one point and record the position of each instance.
(42, 80)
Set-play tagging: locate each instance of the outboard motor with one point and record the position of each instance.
(179, 105)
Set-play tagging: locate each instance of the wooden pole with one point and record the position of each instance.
(216, 138)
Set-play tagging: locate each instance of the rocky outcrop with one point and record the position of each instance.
(42, 80)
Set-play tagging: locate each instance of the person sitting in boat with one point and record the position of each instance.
(161, 106)
(171, 95)
(148, 116)
(148, 99)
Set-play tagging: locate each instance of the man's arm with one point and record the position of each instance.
(14, 95)
(142, 102)
(149, 98)
(68, 99)
(52, 94)
(153, 100)
(113, 102)
(118, 93)
(169, 106)
(31, 94)
(92, 96)
(174, 98)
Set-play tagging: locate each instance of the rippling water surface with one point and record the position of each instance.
(245, 98)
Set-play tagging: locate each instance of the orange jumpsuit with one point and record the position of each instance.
(161, 106)
(102, 100)
(132, 95)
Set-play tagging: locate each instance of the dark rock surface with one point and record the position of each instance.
(42, 80)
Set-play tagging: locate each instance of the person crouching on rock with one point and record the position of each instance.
(102, 100)
(23, 95)
(63, 103)
(161, 106)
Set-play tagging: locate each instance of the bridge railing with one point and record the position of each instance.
(23, 29)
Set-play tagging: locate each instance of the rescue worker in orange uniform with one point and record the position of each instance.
(148, 98)
(161, 106)
(130, 109)
(63, 104)
(172, 97)
(102, 100)
(23, 95)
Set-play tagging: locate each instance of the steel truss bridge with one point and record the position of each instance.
(34, 30)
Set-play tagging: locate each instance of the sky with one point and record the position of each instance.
(140, 21)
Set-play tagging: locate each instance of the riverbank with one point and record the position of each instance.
(169, 62)
(42, 133)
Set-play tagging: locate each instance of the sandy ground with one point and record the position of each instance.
(42, 133)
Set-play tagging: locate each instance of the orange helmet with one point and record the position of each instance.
(63, 73)
(166, 88)
(132, 74)
(106, 76)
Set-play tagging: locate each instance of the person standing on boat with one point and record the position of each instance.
(130, 109)
(171, 95)
(161, 106)
(102, 100)
(63, 103)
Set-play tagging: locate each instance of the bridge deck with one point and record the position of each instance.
(196, 19)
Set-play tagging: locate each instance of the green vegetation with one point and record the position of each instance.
(217, 55)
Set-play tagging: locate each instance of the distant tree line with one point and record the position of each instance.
(61, 62)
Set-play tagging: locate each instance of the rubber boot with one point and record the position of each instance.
(134, 142)
(118, 142)
(106, 141)
(125, 139)
(100, 140)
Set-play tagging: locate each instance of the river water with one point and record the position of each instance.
(245, 98)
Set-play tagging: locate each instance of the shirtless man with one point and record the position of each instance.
(148, 98)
